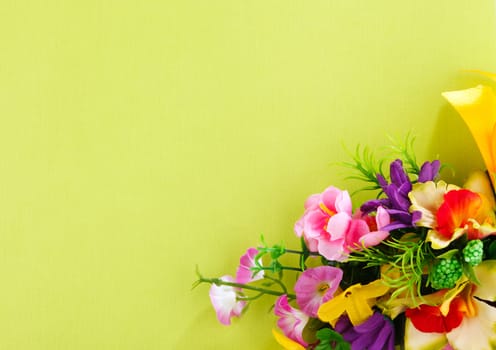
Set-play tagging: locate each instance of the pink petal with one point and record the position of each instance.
(244, 273)
(224, 301)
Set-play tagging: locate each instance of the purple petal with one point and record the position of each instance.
(382, 181)
(382, 337)
(372, 205)
(416, 216)
(429, 171)
(371, 324)
(397, 173)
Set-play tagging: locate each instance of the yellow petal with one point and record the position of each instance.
(487, 74)
(477, 106)
(475, 332)
(285, 342)
(332, 309)
(356, 301)
(479, 182)
(426, 198)
(486, 272)
(417, 340)
(438, 241)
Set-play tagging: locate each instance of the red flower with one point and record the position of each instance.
(429, 319)
(458, 207)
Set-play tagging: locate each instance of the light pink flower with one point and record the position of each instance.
(315, 286)
(291, 321)
(329, 228)
(246, 262)
(319, 209)
(224, 301)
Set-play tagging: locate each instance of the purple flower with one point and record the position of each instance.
(397, 203)
(377, 333)
(429, 171)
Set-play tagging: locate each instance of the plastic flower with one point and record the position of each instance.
(477, 106)
(376, 333)
(291, 321)
(285, 342)
(244, 273)
(315, 286)
(356, 301)
(397, 203)
(225, 302)
(329, 227)
(319, 210)
(451, 212)
(464, 321)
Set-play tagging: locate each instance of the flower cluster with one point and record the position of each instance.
(413, 267)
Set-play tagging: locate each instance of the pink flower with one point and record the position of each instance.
(329, 228)
(319, 209)
(315, 286)
(225, 302)
(246, 262)
(291, 321)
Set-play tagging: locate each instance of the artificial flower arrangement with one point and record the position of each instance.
(413, 268)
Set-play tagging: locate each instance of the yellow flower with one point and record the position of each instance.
(356, 301)
(477, 106)
(285, 342)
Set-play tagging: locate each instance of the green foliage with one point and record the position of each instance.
(310, 330)
(331, 340)
(405, 260)
(404, 150)
(366, 167)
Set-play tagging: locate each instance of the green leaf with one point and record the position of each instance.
(468, 270)
(331, 340)
(449, 254)
(309, 333)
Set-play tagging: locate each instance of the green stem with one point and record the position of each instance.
(219, 282)
(268, 268)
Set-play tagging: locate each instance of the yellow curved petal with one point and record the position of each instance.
(417, 340)
(356, 301)
(486, 273)
(285, 342)
(477, 106)
(479, 182)
(475, 332)
(426, 198)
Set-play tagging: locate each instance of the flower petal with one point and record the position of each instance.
(477, 106)
(415, 339)
(485, 272)
(477, 332)
(285, 342)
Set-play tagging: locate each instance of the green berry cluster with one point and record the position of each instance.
(472, 253)
(445, 273)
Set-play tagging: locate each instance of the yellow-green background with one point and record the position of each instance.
(140, 138)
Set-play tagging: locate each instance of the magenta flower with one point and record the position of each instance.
(246, 263)
(291, 321)
(329, 228)
(225, 302)
(315, 286)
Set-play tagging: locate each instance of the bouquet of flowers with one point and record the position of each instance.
(412, 268)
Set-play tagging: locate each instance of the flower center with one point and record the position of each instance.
(322, 288)
(327, 210)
